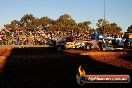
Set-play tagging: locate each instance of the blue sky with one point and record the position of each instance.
(118, 11)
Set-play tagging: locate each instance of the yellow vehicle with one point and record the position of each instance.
(70, 42)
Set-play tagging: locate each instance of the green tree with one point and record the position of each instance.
(33, 25)
(26, 19)
(46, 23)
(8, 26)
(15, 24)
(129, 29)
(101, 26)
(65, 23)
(84, 26)
(109, 29)
(115, 29)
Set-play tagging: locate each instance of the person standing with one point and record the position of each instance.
(100, 45)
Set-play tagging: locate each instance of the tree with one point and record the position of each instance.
(109, 29)
(15, 25)
(102, 26)
(26, 19)
(8, 27)
(129, 29)
(115, 29)
(65, 23)
(84, 26)
(33, 25)
(46, 22)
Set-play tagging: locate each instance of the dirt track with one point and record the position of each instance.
(46, 68)
(121, 59)
(4, 53)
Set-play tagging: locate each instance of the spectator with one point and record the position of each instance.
(100, 45)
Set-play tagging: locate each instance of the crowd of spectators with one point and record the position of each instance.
(40, 37)
(43, 37)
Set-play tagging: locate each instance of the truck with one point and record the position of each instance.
(128, 39)
(69, 42)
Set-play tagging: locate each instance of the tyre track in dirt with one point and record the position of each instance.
(120, 59)
(112, 58)
(46, 68)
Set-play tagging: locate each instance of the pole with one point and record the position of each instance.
(104, 17)
(104, 10)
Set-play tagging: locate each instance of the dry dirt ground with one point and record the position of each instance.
(47, 68)
(120, 58)
(4, 53)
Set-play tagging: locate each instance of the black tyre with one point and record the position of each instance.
(87, 47)
(60, 48)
